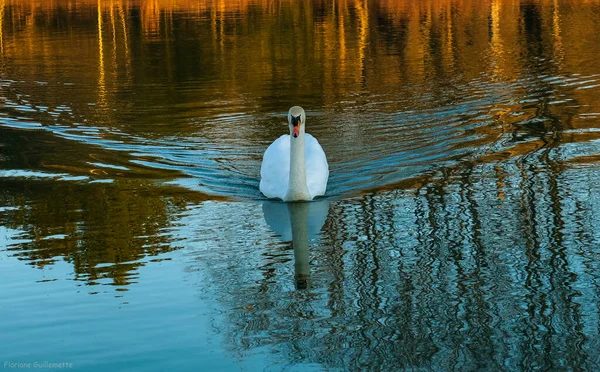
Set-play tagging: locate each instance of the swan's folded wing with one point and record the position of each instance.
(317, 169)
(275, 168)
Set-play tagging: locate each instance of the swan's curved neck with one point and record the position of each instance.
(297, 188)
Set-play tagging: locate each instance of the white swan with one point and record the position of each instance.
(294, 166)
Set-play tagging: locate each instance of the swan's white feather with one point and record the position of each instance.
(275, 169)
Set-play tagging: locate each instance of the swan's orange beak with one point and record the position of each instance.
(295, 122)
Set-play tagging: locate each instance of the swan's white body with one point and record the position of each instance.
(294, 168)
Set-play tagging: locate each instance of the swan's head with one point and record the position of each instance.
(296, 118)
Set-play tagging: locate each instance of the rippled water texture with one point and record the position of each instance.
(461, 225)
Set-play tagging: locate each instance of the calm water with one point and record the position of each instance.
(461, 228)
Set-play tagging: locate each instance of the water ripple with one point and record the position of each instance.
(377, 148)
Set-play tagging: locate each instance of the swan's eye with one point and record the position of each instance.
(295, 120)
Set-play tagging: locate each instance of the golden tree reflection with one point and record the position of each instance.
(2, 4)
(408, 40)
(101, 70)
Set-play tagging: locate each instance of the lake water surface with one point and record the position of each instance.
(461, 226)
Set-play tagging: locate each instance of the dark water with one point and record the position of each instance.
(461, 227)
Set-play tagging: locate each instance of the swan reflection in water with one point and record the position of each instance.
(299, 223)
